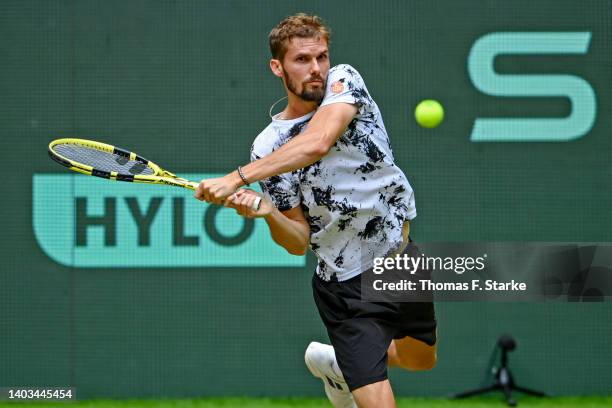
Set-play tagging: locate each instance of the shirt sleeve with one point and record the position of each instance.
(344, 84)
(283, 190)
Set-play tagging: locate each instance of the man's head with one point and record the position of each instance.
(300, 55)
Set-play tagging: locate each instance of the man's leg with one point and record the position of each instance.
(411, 354)
(407, 353)
(375, 395)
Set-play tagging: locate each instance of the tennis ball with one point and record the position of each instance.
(429, 113)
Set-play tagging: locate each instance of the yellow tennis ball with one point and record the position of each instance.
(429, 113)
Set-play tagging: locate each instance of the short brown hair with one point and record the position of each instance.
(299, 25)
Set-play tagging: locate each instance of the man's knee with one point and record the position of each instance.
(375, 395)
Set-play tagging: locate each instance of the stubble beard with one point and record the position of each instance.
(314, 95)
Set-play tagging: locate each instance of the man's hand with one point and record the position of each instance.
(218, 189)
(242, 201)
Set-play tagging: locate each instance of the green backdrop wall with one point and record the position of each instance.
(191, 317)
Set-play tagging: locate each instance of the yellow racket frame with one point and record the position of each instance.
(159, 176)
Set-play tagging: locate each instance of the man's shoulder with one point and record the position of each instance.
(265, 141)
(344, 69)
(344, 77)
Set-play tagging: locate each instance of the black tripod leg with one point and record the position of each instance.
(529, 392)
(508, 393)
(477, 391)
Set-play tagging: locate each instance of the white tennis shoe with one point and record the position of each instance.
(321, 361)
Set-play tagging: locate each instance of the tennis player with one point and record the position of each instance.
(331, 184)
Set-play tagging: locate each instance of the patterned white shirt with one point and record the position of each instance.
(355, 198)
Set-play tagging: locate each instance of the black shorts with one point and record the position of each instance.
(361, 332)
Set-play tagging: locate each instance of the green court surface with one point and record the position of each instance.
(582, 402)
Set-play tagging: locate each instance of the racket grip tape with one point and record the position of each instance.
(256, 204)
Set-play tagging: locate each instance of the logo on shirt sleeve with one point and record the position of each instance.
(337, 87)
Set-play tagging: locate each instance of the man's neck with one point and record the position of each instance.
(297, 107)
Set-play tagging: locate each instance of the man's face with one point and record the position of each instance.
(305, 68)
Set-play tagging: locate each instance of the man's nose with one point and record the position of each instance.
(314, 67)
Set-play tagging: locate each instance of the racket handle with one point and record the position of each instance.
(256, 203)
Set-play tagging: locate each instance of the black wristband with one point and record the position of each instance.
(241, 174)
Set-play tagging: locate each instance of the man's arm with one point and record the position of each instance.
(326, 126)
(289, 229)
(322, 132)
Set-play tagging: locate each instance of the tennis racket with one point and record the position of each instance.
(112, 163)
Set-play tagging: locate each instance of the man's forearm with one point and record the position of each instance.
(292, 235)
(324, 129)
(300, 152)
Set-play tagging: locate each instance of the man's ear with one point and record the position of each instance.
(276, 67)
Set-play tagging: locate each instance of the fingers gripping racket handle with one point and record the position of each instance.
(193, 186)
(256, 203)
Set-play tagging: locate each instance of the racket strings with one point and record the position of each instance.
(103, 161)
